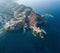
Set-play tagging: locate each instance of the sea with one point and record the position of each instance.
(25, 42)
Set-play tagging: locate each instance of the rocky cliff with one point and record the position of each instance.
(17, 16)
(14, 17)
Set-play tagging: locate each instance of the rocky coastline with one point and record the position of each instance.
(20, 16)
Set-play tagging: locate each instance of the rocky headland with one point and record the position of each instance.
(15, 17)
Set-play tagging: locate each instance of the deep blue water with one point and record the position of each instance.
(19, 42)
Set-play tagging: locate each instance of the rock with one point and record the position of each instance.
(18, 15)
(15, 17)
(14, 24)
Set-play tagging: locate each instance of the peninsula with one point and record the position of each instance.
(19, 17)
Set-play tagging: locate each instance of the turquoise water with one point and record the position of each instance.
(20, 42)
